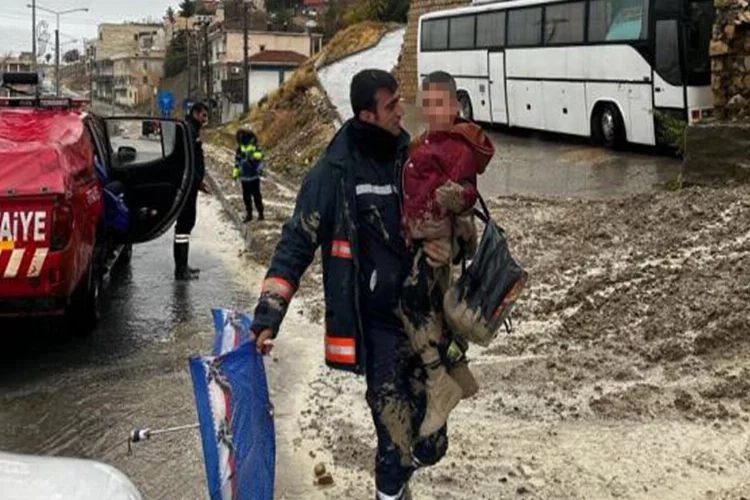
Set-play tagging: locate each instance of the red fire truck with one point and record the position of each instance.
(57, 246)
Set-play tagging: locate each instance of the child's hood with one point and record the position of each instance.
(484, 150)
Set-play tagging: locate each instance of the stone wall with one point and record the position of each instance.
(406, 68)
(730, 60)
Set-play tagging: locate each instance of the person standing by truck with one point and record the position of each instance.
(186, 221)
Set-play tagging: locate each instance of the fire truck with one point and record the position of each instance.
(77, 190)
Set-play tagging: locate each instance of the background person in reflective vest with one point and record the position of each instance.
(248, 167)
(349, 206)
(186, 220)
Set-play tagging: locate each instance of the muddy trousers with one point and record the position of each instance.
(422, 306)
(397, 400)
(251, 192)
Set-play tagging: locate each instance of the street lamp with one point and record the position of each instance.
(57, 13)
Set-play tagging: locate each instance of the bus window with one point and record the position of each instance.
(525, 27)
(462, 33)
(668, 52)
(618, 20)
(564, 23)
(435, 34)
(491, 30)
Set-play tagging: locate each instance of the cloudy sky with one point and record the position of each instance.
(15, 19)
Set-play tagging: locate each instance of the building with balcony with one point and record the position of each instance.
(126, 62)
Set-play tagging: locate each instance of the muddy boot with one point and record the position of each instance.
(443, 394)
(405, 494)
(461, 373)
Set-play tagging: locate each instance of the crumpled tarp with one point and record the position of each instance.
(235, 413)
(42, 151)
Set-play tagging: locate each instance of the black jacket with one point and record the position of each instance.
(200, 162)
(325, 217)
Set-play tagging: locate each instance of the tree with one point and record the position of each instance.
(187, 8)
(378, 10)
(176, 58)
(171, 15)
(72, 56)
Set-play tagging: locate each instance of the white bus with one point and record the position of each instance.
(600, 68)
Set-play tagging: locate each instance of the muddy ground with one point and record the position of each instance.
(627, 376)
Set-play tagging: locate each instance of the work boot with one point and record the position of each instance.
(461, 373)
(261, 217)
(405, 494)
(182, 272)
(248, 217)
(443, 394)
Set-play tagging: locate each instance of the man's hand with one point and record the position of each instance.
(438, 252)
(204, 187)
(264, 342)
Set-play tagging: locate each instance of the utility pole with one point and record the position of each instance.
(189, 65)
(33, 6)
(199, 59)
(246, 60)
(57, 58)
(209, 73)
(33, 35)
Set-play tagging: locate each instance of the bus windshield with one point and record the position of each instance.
(697, 40)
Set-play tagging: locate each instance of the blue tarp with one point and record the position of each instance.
(235, 413)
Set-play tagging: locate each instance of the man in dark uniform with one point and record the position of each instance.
(349, 205)
(186, 220)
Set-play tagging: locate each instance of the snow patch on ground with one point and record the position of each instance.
(337, 77)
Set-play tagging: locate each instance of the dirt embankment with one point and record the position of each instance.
(295, 123)
(74, 77)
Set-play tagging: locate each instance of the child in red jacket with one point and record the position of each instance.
(439, 186)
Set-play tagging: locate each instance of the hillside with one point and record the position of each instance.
(297, 121)
(73, 76)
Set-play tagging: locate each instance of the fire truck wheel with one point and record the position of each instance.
(125, 256)
(84, 312)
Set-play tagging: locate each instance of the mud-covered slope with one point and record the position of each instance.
(627, 375)
(297, 122)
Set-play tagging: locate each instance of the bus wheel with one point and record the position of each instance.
(467, 111)
(609, 128)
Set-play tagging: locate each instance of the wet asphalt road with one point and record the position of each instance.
(81, 397)
(530, 163)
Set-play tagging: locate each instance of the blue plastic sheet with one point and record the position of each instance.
(235, 413)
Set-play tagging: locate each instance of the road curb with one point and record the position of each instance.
(229, 209)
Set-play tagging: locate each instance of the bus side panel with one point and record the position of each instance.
(565, 107)
(604, 62)
(525, 104)
(497, 87)
(467, 64)
(479, 93)
(470, 69)
(641, 127)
